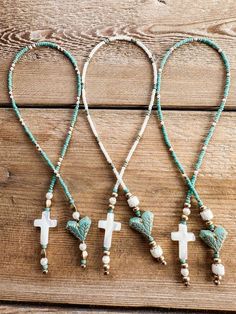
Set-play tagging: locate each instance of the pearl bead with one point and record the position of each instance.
(184, 217)
(218, 269)
(43, 261)
(186, 211)
(76, 215)
(206, 214)
(133, 201)
(82, 246)
(48, 203)
(84, 254)
(184, 272)
(112, 200)
(156, 251)
(49, 196)
(106, 259)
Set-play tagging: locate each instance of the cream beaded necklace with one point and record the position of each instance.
(143, 221)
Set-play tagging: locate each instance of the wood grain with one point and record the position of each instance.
(136, 280)
(193, 77)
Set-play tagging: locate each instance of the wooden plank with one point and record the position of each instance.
(20, 308)
(193, 76)
(135, 279)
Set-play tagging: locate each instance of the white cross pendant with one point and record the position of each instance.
(109, 226)
(183, 236)
(44, 224)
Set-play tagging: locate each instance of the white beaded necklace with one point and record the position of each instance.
(143, 221)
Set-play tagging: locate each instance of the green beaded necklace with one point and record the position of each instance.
(78, 227)
(214, 236)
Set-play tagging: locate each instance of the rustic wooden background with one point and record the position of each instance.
(119, 84)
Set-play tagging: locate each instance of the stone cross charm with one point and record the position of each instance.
(44, 224)
(183, 236)
(109, 226)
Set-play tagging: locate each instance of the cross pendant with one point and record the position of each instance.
(183, 236)
(109, 226)
(44, 224)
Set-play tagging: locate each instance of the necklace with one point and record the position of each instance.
(143, 221)
(214, 236)
(78, 227)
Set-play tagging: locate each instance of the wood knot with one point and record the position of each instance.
(4, 175)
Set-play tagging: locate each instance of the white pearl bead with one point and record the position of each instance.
(112, 200)
(84, 254)
(186, 211)
(43, 261)
(82, 246)
(156, 251)
(133, 201)
(218, 269)
(206, 214)
(48, 203)
(76, 215)
(49, 196)
(106, 259)
(184, 272)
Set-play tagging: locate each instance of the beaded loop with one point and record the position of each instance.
(118, 175)
(16, 109)
(191, 183)
(213, 232)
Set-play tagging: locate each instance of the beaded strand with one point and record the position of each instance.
(55, 169)
(132, 200)
(219, 233)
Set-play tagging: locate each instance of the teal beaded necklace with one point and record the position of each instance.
(78, 225)
(214, 236)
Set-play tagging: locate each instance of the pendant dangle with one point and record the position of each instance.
(213, 236)
(44, 224)
(79, 227)
(183, 237)
(143, 223)
(109, 225)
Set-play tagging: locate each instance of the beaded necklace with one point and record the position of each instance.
(214, 236)
(79, 227)
(143, 221)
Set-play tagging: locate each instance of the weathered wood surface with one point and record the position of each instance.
(135, 280)
(119, 76)
(78, 25)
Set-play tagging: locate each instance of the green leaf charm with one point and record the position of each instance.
(143, 225)
(214, 239)
(79, 229)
